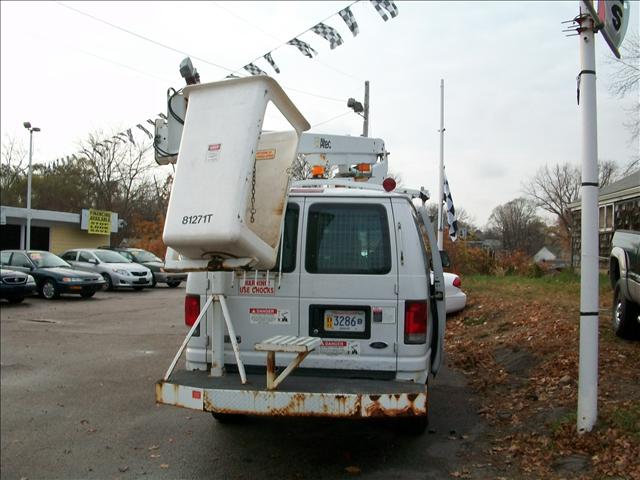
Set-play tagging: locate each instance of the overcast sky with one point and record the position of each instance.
(510, 79)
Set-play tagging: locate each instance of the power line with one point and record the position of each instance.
(183, 52)
(122, 29)
(104, 59)
(332, 119)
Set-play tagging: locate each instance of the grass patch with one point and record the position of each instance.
(472, 321)
(628, 419)
(570, 418)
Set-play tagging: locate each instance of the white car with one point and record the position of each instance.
(455, 298)
(116, 270)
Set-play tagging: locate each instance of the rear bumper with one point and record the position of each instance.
(17, 291)
(298, 396)
(456, 302)
(164, 277)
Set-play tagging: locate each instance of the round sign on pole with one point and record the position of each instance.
(614, 16)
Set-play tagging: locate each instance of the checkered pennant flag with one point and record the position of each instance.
(328, 33)
(385, 6)
(304, 47)
(130, 135)
(254, 70)
(350, 20)
(451, 211)
(231, 75)
(269, 59)
(144, 130)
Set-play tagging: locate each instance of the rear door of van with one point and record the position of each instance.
(265, 304)
(348, 283)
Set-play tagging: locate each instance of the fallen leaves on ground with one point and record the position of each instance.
(517, 343)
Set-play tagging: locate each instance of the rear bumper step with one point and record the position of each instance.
(298, 396)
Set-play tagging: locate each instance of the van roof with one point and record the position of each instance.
(350, 188)
(340, 192)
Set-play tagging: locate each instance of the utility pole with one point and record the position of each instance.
(589, 318)
(439, 200)
(611, 21)
(365, 126)
(31, 129)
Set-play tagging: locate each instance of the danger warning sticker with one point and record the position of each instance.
(339, 347)
(213, 152)
(269, 316)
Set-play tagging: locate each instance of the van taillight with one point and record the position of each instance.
(191, 309)
(456, 282)
(415, 322)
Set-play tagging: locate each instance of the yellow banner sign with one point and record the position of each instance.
(99, 222)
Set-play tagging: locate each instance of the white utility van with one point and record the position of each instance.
(350, 321)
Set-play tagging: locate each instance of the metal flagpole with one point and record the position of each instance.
(588, 364)
(439, 200)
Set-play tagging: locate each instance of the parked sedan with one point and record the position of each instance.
(53, 276)
(15, 285)
(117, 271)
(153, 263)
(455, 298)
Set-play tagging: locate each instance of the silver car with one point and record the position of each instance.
(116, 270)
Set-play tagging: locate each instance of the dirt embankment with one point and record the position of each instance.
(517, 343)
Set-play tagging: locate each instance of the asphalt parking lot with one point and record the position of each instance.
(77, 401)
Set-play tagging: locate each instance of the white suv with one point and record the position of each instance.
(116, 270)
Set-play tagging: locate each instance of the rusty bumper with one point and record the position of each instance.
(406, 400)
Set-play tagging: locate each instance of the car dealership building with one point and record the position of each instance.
(55, 231)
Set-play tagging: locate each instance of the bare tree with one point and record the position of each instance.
(518, 226)
(625, 80)
(554, 188)
(12, 169)
(608, 172)
(119, 170)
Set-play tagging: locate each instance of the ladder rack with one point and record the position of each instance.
(302, 186)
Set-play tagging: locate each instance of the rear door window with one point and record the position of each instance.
(4, 258)
(20, 260)
(85, 257)
(348, 239)
(128, 255)
(290, 237)
(69, 256)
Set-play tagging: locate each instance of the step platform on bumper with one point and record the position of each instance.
(298, 396)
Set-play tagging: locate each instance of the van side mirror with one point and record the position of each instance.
(444, 258)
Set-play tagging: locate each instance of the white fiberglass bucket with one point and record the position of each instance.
(219, 209)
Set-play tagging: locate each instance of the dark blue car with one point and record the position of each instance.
(53, 275)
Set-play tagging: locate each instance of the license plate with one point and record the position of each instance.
(141, 280)
(344, 321)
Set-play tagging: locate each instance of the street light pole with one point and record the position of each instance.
(365, 126)
(31, 129)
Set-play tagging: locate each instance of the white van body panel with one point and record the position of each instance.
(298, 291)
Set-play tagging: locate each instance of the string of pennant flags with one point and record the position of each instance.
(385, 8)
